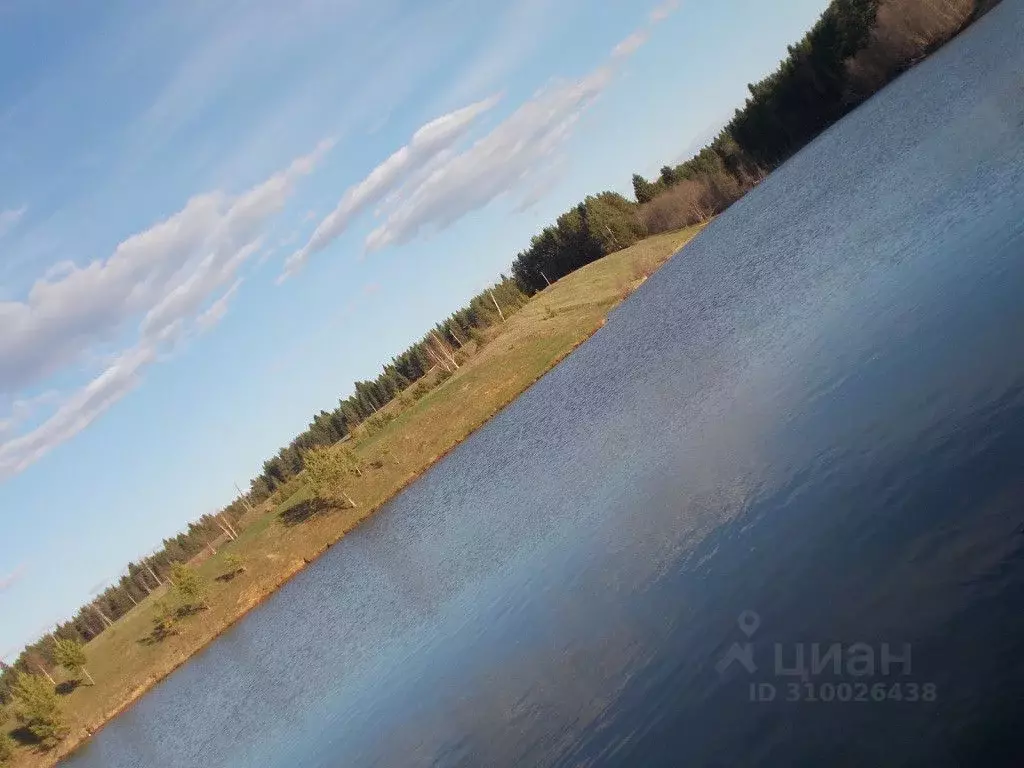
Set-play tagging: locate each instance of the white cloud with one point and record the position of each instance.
(78, 412)
(185, 299)
(663, 11)
(9, 218)
(8, 581)
(426, 143)
(513, 154)
(499, 161)
(635, 41)
(631, 44)
(164, 276)
(164, 273)
(23, 409)
(216, 311)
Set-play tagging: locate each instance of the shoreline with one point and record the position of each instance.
(81, 736)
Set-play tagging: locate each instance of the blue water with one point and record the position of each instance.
(815, 413)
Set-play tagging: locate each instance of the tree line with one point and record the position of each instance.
(783, 112)
(855, 48)
(35, 695)
(439, 348)
(140, 579)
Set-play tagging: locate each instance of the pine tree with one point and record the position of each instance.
(235, 564)
(37, 707)
(327, 470)
(189, 587)
(71, 655)
(612, 221)
(164, 618)
(643, 190)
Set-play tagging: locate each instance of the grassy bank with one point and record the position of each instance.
(409, 435)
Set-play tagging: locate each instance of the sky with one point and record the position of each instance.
(214, 217)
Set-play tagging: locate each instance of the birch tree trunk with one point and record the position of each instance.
(152, 573)
(103, 616)
(445, 350)
(500, 313)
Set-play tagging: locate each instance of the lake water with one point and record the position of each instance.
(814, 415)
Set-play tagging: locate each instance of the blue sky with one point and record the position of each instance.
(215, 216)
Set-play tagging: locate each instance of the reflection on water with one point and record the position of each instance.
(815, 413)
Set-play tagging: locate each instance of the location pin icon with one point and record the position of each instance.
(748, 622)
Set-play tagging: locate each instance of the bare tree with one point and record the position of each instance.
(496, 306)
(152, 573)
(904, 32)
(102, 615)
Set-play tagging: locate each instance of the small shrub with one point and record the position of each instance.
(690, 202)
(680, 206)
(234, 565)
(419, 390)
(164, 619)
(376, 423)
(189, 588)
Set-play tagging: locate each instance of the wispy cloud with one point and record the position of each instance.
(663, 11)
(99, 586)
(22, 409)
(164, 275)
(10, 218)
(508, 157)
(77, 413)
(12, 578)
(216, 311)
(428, 184)
(514, 154)
(493, 165)
(631, 44)
(426, 143)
